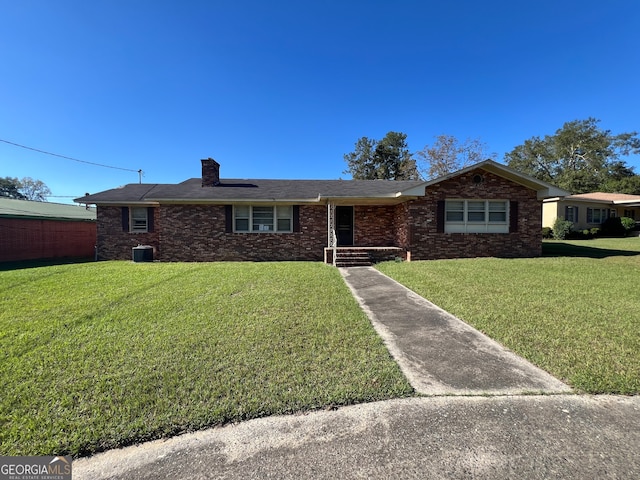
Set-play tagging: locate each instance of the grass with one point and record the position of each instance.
(575, 312)
(100, 355)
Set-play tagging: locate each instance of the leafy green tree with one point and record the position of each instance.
(622, 180)
(10, 187)
(447, 154)
(387, 159)
(580, 157)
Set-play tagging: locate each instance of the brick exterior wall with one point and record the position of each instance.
(197, 232)
(427, 244)
(374, 226)
(32, 239)
(114, 243)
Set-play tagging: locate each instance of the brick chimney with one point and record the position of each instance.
(210, 172)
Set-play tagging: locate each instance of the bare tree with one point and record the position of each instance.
(447, 154)
(34, 189)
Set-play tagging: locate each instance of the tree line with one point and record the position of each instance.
(24, 189)
(579, 157)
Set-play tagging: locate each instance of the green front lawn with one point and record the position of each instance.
(575, 312)
(100, 355)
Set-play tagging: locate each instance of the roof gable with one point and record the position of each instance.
(543, 189)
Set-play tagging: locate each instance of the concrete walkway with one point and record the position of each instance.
(468, 435)
(518, 437)
(437, 352)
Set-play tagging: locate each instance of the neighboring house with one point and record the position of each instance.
(589, 210)
(41, 230)
(483, 210)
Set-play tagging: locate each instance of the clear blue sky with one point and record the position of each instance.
(283, 89)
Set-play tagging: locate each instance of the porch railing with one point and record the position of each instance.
(334, 243)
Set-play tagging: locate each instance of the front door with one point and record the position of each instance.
(344, 226)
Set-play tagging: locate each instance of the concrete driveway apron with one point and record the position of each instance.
(439, 353)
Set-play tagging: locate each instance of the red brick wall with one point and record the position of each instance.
(32, 239)
(197, 233)
(374, 226)
(426, 243)
(116, 244)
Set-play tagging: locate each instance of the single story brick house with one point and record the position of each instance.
(42, 230)
(589, 210)
(487, 209)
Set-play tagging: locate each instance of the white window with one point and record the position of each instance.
(283, 215)
(596, 216)
(571, 213)
(248, 218)
(476, 216)
(139, 221)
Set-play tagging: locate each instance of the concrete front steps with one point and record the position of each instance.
(350, 258)
(361, 256)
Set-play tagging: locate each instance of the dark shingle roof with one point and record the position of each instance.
(300, 191)
(252, 190)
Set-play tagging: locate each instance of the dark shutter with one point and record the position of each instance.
(440, 216)
(513, 216)
(296, 218)
(150, 211)
(228, 218)
(125, 219)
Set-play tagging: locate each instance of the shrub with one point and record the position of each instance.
(547, 232)
(595, 232)
(628, 224)
(612, 227)
(561, 228)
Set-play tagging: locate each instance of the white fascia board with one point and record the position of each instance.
(227, 201)
(390, 199)
(123, 203)
(417, 191)
(628, 203)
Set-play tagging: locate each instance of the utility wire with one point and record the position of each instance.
(70, 158)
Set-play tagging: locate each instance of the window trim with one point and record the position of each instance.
(132, 220)
(603, 214)
(275, 219)
(574, 213)
(476, 226)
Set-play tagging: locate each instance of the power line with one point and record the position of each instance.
(71, 158)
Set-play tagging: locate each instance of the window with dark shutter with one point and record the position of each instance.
(475, 216)
(296, 218)
(513, 216)
(125, 219)
(150, 211)
(228, 218)
(261, 219)
(440, 209)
